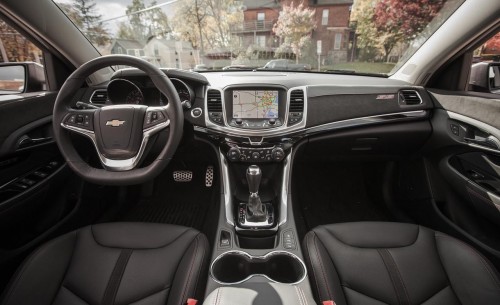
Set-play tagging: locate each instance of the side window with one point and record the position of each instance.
(21, 63)
(485, 70)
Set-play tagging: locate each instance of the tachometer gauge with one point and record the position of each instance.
(134, 97)
(123, 91)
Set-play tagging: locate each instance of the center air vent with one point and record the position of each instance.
(99, 97)
(296, 107)
(409, 97)
(214, 106)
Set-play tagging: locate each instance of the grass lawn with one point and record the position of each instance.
(368, 67)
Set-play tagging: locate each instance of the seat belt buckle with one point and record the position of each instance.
(329, 302)
(191, 302)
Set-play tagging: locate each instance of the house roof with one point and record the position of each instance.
(128, 44)
(172, 43)
(330, 2)
(253, 4)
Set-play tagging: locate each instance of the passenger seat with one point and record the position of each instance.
(374, 263)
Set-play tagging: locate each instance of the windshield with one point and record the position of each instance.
(339, 36)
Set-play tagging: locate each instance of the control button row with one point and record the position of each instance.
(154, 117)
(289, 240)
(79, 120)
(294, 117)
(256, 155)
(216, 117)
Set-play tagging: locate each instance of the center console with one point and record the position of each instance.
(254, 129)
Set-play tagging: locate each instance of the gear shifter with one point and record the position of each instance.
(255, 208)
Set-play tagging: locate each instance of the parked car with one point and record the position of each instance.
(286, 64)
(124, 182)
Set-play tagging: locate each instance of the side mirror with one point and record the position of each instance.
(21, 77)
(485, 77)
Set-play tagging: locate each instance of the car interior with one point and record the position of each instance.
(122, 182)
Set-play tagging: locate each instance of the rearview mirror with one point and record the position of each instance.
(20, 77)
(485, 77)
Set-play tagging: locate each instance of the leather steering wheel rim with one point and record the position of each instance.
(102, 176)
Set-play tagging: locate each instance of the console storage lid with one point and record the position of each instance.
(259, 294)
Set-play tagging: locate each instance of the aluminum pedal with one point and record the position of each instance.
(183, 176)
(209, 176)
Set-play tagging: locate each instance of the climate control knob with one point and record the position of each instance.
(278, 154)
(234, 154)
(255, 156)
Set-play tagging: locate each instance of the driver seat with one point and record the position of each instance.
(114, 263)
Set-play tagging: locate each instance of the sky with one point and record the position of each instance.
(109, 9)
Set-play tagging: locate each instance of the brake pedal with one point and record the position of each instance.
(183, 176)
(209, 176)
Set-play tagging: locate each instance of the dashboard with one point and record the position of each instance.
(250, 114)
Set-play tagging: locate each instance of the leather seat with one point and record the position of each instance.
(114, 263)
(395, 263)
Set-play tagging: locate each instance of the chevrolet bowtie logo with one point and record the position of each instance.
(115, 123)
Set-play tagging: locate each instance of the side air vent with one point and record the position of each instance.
(214, 106)
(409, 97)
(296, 107)
(99, 97)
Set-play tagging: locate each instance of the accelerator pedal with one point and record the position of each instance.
(209, 176)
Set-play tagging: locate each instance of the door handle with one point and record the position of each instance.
(490, 141)
(26, 141)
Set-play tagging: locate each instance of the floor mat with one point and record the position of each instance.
(337, 193)
(183, 203)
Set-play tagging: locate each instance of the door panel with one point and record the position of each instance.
(464, 156)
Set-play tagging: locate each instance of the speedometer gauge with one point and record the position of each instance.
(183, 94)
(184, 91)
(134, 97)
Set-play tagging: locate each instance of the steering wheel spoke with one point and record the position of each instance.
(156, 118)
(79, 121)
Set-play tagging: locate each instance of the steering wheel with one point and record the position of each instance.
(120, 133)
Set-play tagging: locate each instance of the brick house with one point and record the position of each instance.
(332, 26)
(257, 27)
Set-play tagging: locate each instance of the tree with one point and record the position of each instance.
(189, 14)
(15, 47)
(367, 38)
(402, 20)
(84, 15)
(124, 31)
(144, 21)
(492, 46)
(206, 23)
(294, 27)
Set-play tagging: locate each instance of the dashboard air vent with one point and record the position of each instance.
(214, 106)
(99, 97)
(296, 107)
(409, 97)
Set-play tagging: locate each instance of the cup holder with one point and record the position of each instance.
(234, 267)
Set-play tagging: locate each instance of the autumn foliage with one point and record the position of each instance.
(294, 27)
(399, 21)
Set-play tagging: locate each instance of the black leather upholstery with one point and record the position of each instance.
(114, 263)
(394, 263)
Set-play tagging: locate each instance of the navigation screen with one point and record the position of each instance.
(255, 104)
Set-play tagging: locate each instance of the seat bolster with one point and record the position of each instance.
(373, 234)
(472, 277)
(191, 276)
(136, 235)
(41, 273)
(324, 274)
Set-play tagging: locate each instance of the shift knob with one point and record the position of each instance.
(253, 178)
